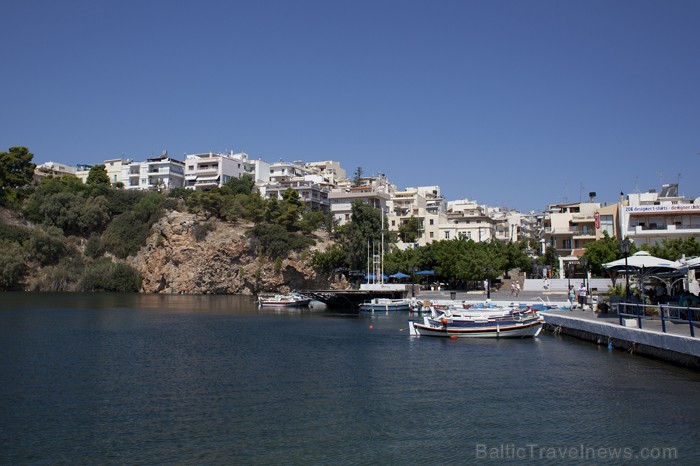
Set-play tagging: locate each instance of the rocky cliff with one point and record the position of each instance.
(174, 260)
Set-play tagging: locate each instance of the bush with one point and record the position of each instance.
(12, 266)
(105, 275)
(200, 230)
(14, 234)
(275, 241)
(47, 246)
(63, 276)
(125, 235)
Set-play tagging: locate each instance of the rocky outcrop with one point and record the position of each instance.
(174, 260)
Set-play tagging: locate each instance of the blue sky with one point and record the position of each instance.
(511, 103)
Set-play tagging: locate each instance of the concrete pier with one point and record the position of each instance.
(675, 346)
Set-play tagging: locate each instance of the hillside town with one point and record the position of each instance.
(646, 218)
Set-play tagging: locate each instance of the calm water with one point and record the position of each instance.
(149, 379)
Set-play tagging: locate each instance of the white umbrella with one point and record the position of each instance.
(644, 262)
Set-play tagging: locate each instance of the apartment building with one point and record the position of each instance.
(424, 203)
(375, 191)
(467, 220)
(331, 171)
(312, 189)
(53, 169)
(652, 217)
(156, 173)
(210, 170)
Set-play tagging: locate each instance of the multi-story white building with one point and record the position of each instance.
(154, 174)
(331, 171)
(53, 169)
(468, 220)
(424, 203)
(375, 191)
(652, 217)
(206, 171)
(114, 169)
(312, 189)
(280, 171)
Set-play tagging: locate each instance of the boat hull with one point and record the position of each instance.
(525, 329)
(386, 305)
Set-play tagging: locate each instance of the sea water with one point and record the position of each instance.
(154, 379)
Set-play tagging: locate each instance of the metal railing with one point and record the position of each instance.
(665, 313)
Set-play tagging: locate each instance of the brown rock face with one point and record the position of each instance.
(223, 262)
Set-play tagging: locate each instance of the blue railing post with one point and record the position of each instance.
(619, 313)
(639, 315)
(663, 321)
(690, 322)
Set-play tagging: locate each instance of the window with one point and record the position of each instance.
(431, 234)
(447, 235)
(432, 222)
(567, 244)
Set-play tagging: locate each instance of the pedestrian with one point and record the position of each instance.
(545, 284)
(517, 289)
(572, 298)
(582, 296)
(512, 288)
(486, 286)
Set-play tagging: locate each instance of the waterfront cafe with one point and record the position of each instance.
(659, 280)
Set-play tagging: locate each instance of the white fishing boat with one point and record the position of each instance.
(386, 305)
(487, 322)
(284, 300)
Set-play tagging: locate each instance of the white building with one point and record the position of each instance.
(53, 169)
(312, 189)
(114, 169)
(424, 203)
(154, 174)
(331, 171)
(375, 191)
(651, 217)
(209, 170)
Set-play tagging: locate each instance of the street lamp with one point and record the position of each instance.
(625, 248)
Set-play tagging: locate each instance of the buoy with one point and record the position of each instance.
(444, 321)
(453, 337)
(371, 326)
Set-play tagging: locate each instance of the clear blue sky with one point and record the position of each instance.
(510, 103)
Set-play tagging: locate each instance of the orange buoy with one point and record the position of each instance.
(371, 326)
(453, 337)
(443, 320)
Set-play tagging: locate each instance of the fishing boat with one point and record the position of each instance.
(284, 300)
(488, 322)
(386, 304)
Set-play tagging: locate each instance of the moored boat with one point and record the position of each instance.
(284, 300)
(479, 322)
(386, 304)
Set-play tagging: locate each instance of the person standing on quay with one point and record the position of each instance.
(582, 296)
(572, 297)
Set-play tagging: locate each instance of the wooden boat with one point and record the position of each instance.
(479, 322)
(284, 300)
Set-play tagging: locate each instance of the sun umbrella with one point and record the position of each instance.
(399, 275)
(425, 272)
(644, 262)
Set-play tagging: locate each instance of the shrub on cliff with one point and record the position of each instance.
(275, 241)
(125, 235)
(12, 265)
(105, 275)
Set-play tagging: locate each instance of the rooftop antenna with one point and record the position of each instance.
(678, 179)
(580, 194)
(661, 178)
(636, 184)
(566, 193)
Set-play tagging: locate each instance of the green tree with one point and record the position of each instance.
(357, 178)
(676, 248)
(98, 176)
(243, 185)
(601, 251)
(16, 170)
(410, 231)
(290, 210)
